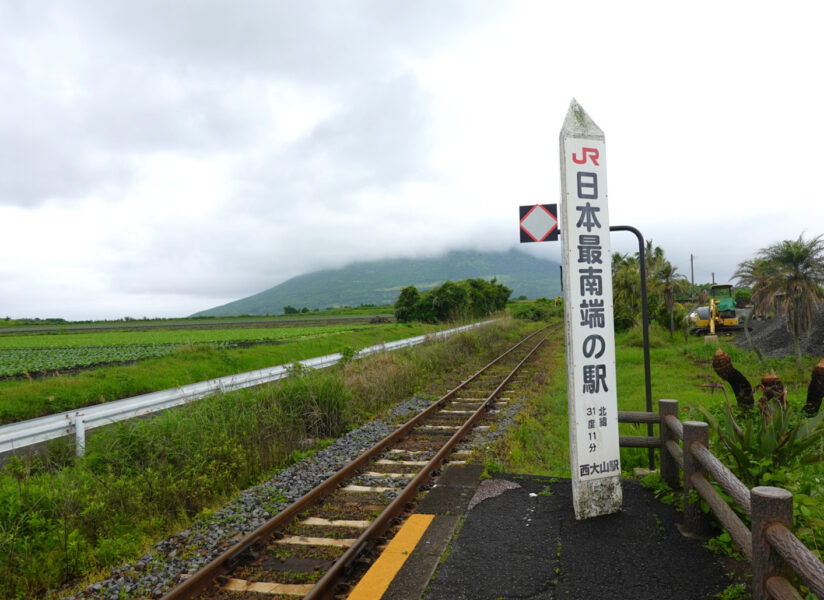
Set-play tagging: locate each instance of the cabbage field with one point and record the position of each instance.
(22, 353)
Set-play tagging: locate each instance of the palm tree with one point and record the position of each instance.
(626, 290)
(653, 256)
(668, 281)
(787, 276)
(653, 259)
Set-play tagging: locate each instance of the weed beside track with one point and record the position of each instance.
(362, 492)
(65, 519)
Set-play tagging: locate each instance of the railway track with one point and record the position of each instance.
(312, 549)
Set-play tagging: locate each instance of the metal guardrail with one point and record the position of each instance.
(24, 434)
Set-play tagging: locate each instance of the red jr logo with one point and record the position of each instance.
(589, 153)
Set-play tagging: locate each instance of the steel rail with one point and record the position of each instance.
(23, 434)
(327, 584)
(225, 562)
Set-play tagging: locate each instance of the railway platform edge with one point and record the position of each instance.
(515, 536)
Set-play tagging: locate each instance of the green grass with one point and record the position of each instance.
(679, 370)
(539, 443)
(28, 398)
(65, 519)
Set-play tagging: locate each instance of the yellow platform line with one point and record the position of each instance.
(377, 579)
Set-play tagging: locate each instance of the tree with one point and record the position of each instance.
(452, 300)
(653, 256)
(289, 310)
(405, 304)
(787, 277)
(449, 300)
(663, 284)
(742, 297)
(626, 291)
(668, 281)
(654, 259)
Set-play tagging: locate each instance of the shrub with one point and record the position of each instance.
(742, 297)
(471, 298)
(763, 441)
(635, 337)
(405, 305)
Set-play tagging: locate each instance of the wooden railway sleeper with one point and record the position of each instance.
(383, 523)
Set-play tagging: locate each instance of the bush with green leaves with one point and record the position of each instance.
(406, 303)
(759, 442)
(451, 301)
(541, 309)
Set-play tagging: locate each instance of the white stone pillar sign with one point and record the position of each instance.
(590, 334)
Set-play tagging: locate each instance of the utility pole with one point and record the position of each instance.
(692, 279)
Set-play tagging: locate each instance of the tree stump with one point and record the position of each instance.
(741, 388)
(815, 391)
(773, 389)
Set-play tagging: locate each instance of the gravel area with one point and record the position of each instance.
(774, 340)
(185, 552)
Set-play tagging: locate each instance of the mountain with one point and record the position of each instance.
(380, 282)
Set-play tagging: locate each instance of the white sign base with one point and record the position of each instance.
(590, 337)
(596, 497)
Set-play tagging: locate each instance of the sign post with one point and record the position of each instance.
(590, 334)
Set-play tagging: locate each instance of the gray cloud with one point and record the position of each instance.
(187, 153)
(196, 79)
(92, 85)
(378, 140)
(325, 42)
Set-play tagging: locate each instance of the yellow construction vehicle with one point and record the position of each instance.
(719, 316)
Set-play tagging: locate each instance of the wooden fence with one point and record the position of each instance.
(769, 544)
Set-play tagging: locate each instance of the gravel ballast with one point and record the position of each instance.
(159, 570)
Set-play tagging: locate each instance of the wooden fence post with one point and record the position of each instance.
(696, 521)
(669, 466)
(770, 505)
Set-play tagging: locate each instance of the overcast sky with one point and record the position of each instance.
(159, 158)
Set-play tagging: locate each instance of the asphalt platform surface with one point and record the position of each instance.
(518, 539)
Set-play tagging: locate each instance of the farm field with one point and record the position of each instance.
(64, 519)
(329, 315)
(33, 353)
(51, 371)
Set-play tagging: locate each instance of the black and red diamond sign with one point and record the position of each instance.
(539, 223)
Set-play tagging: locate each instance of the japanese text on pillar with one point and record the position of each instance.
(589, 233)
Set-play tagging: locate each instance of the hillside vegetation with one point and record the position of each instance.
(380, 282)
